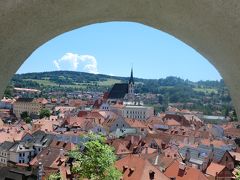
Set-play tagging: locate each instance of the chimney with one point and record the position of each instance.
(40, 170)
(132, 139)
(125, 167)
(187, 155)
(48, 151)
(182, 166)
(212, 147)
(151, 175)
(131, 170)
(61, 153)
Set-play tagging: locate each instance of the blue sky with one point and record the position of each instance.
(113, 48)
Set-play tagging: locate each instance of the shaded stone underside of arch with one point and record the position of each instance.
(211, 27)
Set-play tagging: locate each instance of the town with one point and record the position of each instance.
(37, 134)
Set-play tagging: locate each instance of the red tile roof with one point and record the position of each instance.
(214, 168)
(138, 168)
(188, 174)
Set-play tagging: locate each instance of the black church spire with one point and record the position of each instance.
(131, 81)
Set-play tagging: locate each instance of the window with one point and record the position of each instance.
(23, 154)
(20, 161)
(151, 175)
(20, 154)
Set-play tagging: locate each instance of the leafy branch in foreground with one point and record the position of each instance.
(96, 161)
(54, 176)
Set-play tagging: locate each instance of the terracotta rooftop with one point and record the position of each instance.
(188, 173)
(138, 168)
(136, 123)
(172, 122)
(214, 168)
(236, 154)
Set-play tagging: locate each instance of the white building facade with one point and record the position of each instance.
(137, 112)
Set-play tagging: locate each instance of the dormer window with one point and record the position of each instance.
(151, 175)
(125, 168)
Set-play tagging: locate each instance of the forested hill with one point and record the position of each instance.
(84, 80)
(206, 96)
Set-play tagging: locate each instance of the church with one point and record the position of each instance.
(123, 91)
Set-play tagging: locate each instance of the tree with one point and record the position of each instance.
(96, 161)
(54, 176)
(234, 115)
(44, 113)
(28, 120)
(24, 115)
(238, 173)
(8, 93)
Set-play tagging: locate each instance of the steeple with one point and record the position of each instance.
(131, 87)
(131, 81)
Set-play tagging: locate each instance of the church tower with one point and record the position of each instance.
(131, 87)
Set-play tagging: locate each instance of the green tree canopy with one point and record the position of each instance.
(24, 115)
(54, 176)
(44, 113)
(8, 93)
(96, 162)
(238, 173)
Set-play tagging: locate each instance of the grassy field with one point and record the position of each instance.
(46, 82)
(109, 82)
(205, 90)
(43, 82)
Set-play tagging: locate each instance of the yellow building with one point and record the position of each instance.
(30, 105)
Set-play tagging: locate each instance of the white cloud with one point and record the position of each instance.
(87, 62)
(55, 62)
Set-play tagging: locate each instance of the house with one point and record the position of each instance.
(180, 171)
(236, 156)
(137, 168)
(99, 129)
(101, 104)
(157, 143)
(140, 126)
(120, 147)
(141, 113)
(215, 131)
(160, 161)
(46, 124)
(218, 171)
(40, 140)
(4, 152)
(30, 105)
(53, 157)
(114, 124)
(6, 103)
(220, 156)
(197, 157)
(21, 152)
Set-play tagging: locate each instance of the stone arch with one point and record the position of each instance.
(210, 27)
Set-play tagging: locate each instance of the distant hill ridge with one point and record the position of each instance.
(101, 82)
(84, 76)
(205, 96)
